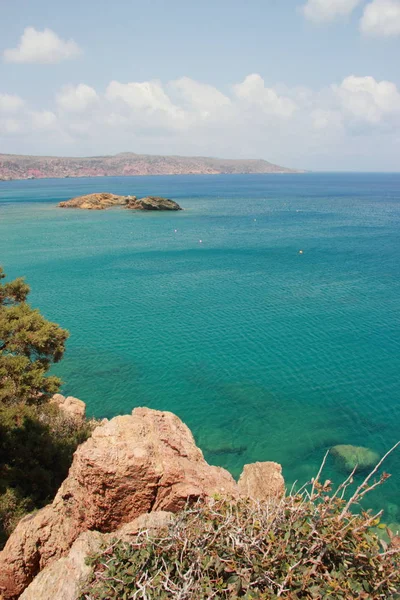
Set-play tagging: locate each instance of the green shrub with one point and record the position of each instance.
(12, 508)
(29, 344)
(308, 547)
(36, 448)
(37, 439)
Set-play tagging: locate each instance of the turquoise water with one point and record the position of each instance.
(266, 353)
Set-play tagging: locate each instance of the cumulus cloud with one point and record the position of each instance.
(252, 91)
(147, 96)
(141, 106)
(76, 98)
(292, 126)
(326, 119)
(41, 47)
(201, 97)
(328, 10)
(10, 103)
(381, 18)
(10, 127)
(366, 99)
(42, 120)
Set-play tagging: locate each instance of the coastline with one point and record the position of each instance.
(225, 305)
(154, 175)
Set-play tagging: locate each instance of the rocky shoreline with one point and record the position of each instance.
(136, 473)
(135, 470)
(104, 200)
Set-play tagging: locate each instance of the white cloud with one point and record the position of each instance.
(10, 127)
(42, 120)
(76, 98)
(253, 92)
(381, 18)
(328, 10)
(41, 47)
(10, 103)
(333, 127)
(324, 119)
(147, 96)
(201, 97)
(366, 99)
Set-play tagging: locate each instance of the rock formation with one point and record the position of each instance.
(152, 203)
(98, 201)
(73, 407)
(134, 464)
(101, 201)
(349, 457)
(63, 579)
(262, 481)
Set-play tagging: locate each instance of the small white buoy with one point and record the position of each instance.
(201, 241)
(300, 251)
(175, 230)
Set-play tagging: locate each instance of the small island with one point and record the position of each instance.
(101, 201)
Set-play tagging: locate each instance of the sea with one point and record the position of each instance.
(266, 314)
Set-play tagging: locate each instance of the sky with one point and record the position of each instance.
(308, 84)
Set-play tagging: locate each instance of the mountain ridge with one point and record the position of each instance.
(16, 166)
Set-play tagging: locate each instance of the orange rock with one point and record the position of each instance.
(62, 579)
(73, 407)
(134, 464)
(262, 481)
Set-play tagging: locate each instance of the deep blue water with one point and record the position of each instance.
(265, 352)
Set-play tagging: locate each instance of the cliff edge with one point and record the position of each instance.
(134, 464)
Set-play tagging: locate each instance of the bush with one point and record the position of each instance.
(307, 546)
(12, 508)
(37, 440)
(36, 448)
(29, 344)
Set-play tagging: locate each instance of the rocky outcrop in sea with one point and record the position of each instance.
(103, 200)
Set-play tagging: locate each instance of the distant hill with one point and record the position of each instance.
(13, 166)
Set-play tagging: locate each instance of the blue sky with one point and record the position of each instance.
(306, 83)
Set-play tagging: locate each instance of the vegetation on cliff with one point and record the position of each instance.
(29, 344)
(308, 545)
(37, 440)
(14, 166)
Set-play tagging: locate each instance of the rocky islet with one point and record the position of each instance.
(104, 200)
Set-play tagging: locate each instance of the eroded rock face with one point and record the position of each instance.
(262, 481)
(64, 578)
(134, 464)
(73, 407)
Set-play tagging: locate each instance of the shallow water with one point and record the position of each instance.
(266, 353)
